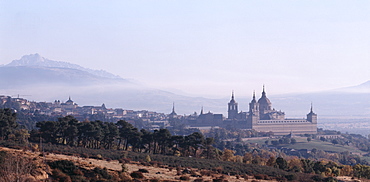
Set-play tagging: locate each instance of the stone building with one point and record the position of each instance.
(262, 117)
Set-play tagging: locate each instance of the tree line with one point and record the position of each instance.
(120, 136)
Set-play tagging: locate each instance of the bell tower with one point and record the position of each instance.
(253, 116)
(312, 117)
(232, 110)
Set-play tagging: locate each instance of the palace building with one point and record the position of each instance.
(262, 117)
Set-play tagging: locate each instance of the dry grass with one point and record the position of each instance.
(164, 173)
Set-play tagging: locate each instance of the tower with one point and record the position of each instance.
(264, 105)
(312, 117)
(233, 108)
(173, 113)
(253, 116)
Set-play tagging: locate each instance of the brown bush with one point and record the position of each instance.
(143, 170)
(125, 177)
(137, 175)
(217, 169)
(245, 177)
(259, 176)
(60, 176)
(205, 172)
(185, 178)
(154, 180)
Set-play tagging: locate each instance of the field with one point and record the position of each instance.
(302, 143)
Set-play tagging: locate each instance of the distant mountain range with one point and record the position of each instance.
(42, 79)
(35, 60)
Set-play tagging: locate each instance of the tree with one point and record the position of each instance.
(67, 129)
(161, 138)
(47, 131)
(195, 141)
(335, 141)
(293, 141)
(8, 122)
(309, 139)
(127, 133)
(323, 139)
(282, 163)
(271, 162)
(228, 155)
(110, 132)
(275, 142)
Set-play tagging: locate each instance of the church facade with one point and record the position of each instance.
(263, 118)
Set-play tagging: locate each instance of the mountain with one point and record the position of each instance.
(35, 60)
(42, 79)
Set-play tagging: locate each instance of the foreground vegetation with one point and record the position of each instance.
(121, 141)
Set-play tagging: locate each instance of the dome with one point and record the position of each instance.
(264, 101)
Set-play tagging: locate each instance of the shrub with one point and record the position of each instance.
(125, 177)
(124, 168)
(217, 169)
(205, 172)
(102, 172)
(217, 180)
(143, 170)
(137, 175)
(291, 177)
(185, 178)
(330, 179)
(199, 180)
(259, 176)
(58, 175)
(148, 159)
(245, 177)
(65, 166)
(317, 178)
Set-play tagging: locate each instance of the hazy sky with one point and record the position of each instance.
(205, 48)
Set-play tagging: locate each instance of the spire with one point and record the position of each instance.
(311, 108)
(254, 97)
(263, 91)
(232, 95)
(201, 111)
(173, 109)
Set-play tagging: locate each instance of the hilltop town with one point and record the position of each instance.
(261, 116)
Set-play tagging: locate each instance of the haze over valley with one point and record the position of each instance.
(40, 79)
(193, 54)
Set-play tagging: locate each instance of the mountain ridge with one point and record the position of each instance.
(36, 60)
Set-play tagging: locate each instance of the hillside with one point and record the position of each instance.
(113, 168)
(161, 173)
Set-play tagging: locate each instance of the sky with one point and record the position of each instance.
(200, 48)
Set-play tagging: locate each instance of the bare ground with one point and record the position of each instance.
(160, 173)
